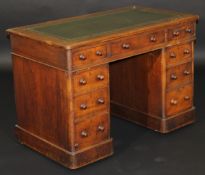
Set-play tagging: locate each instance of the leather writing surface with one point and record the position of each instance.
(104, 23)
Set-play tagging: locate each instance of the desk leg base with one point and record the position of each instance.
(158, 124)
(72, 160)
(178, 121)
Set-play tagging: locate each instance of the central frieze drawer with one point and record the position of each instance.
(142, 41)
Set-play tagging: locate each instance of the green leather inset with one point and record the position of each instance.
(92, 26)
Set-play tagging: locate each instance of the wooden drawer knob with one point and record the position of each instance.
(173, 77)
(172, 55)
(76, 145)
(101, 128)
(82, 81)
(186, 72)
(100, 77)
(186, 51)
(153, 39)
(100, 101)
(174, 102)
(176, 33)
(82, 57)
(84, 133)
(186, 98)
(83, 106)
(125, 46)
(98, 53)
(188, 30)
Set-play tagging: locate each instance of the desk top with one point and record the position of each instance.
(87, 27)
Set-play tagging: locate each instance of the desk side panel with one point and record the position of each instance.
(42, 101)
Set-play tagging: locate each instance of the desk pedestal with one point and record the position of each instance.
(141, 92)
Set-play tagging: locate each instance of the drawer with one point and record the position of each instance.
(91, 131)
(178, 54)
(87, 56)
(128, 44)
(179, 100)
(91, 102)
(181, 31)
(179, 75)
(90, 79)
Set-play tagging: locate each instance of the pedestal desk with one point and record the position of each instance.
(70, 74)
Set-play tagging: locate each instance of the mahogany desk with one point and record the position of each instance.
(69, 74)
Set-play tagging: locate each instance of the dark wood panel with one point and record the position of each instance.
(42, 101)
(137, 82)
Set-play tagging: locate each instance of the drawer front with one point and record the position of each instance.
(91, 102)
(179, 53)
(181, 31)
(91, 131)
(87, 56)
(90, 79)
(179, 75)
(179, 100)
(128, 44)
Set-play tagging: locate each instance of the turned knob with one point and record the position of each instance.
(176, 33)
(82, 57)
(173, 77)
(153, 39)
(84, 133)
(100, 77)
(186, 98)
(174, 102)
(100, 101)
(186, 72)
(101, 128)
(83, 106)
(188, 30)
(76, 145)
(98, 53)
(125, 46)
(172, 55)
(186, 51)
(83, 81)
